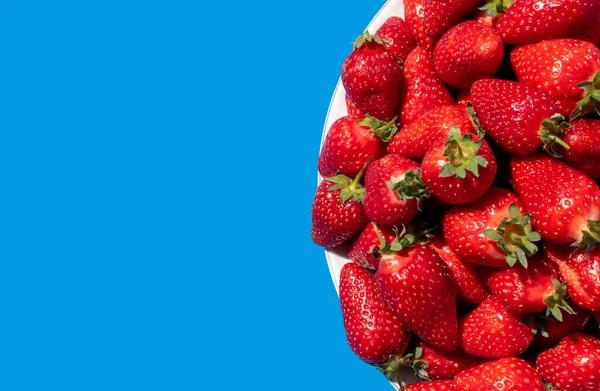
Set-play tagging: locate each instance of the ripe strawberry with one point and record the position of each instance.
(573, 365)
(421, 89)
(414, 13)
(408, 273)
(440, 15)
(458, 170)
(531, 21)
(556, 67)
(583, 139)
(468, 52)
(512, 113)
(351, 142)
(442, 364)
(371, 77)
(509, 374)
(362, 250)
(415, 139)
(491, 11)
(351, 108)
(337, 210)
(372, 330)
(466, 276)
(440, 385)
(463, 97)
(550, 331)
(397, 38)
(491, 331)
(393, 190)
(563, 202)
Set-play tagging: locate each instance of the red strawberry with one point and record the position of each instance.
(583, 138)
(397, 37)
(573, 365)
(491, 231)
(372, 330)
(362, 250)
(440, 15)
(466, 276)
(351, 142)
(408, 273)
(440, 385)
(468, 52)
(458, 170)
(393, 190)
(491, 331)
(550, 331)
(337, 210)
(414, 12)
(415, 139)
(556, 67)
(512, 113)
(421, 89)
(491, 11)
(463, 97)
(507, 374)
(351, 108)
(443, 364)
(561, 200)
(371, 77)
(531, 21)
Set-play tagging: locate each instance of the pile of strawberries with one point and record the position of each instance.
(462, 183)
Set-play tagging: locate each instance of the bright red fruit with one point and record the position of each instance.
(463, 97)
(512, 113)
(415, 139)
(421, 89)
(362, 250)
(414, 13)
(393, 190)
(440, 15)
(460, 169)
(573, 365)
(583, 138)
(550, 331)
(556, 66)
(351, 108)
(507, 374)
(351, 142)
(561, 200)
(491, 331)
(468, 52)
(371, 77)
(443, 364)
(440, 385)
(396, 37)
(491, 11)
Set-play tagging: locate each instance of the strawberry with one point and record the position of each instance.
(466, 276)
(371, 77)
(512, 113)
(440, 385)
(583, 139)
(491, 331)
(573, 365)
(590, 101)
(440, 15)
(556, 67)
(362, 250)
(460, 169)
(414, 12)
(550, 331)
(421, 89)
(393, 190)
(409, 272)
(351, 142)
(396, 37)
(415, 139)
(491, 11)
(463, 97)
(351, 108)
(372, 330)
(531, 21)
(442, 364)
(468, 52)
(337, 210)
(509, 374)
(563, 202)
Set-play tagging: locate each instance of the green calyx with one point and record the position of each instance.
(515, 236)
(556, 302)
(366, 37)
(405, 238)
(413, 360)
(495, 7)
(410, 187)
(590, 238)
(349, 188)
(475, 120)
(591, 99)
(462, 155)
(549, 387)
(552, 132)
(384, 130)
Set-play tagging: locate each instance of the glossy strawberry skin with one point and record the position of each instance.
(415, 139)
(382, 205)
(573, 365)
(404, 278)
(372, 330)
(468, 52)
(441, 15)
(443, 364)
(463, 97)
(439, 385)
(556, 66)
(397, 36)
(490, 331)
(371, 77)
(421, 89)
(556, 330)
(512, 374)
(559, 212)
(360, 249)
(351, 108)
(512, 113)
(584, 139)
(414, 11)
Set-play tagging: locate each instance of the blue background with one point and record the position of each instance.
(158, 168)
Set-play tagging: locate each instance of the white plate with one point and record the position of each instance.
(336, 258)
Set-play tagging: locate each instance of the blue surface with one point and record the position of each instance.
(159, 163)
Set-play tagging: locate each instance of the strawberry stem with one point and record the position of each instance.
(410, 187)
(551, 133)
(591, 98)
(462, 155)
(556, 301)
(366, 37)
(384, 130)
(590, 238)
